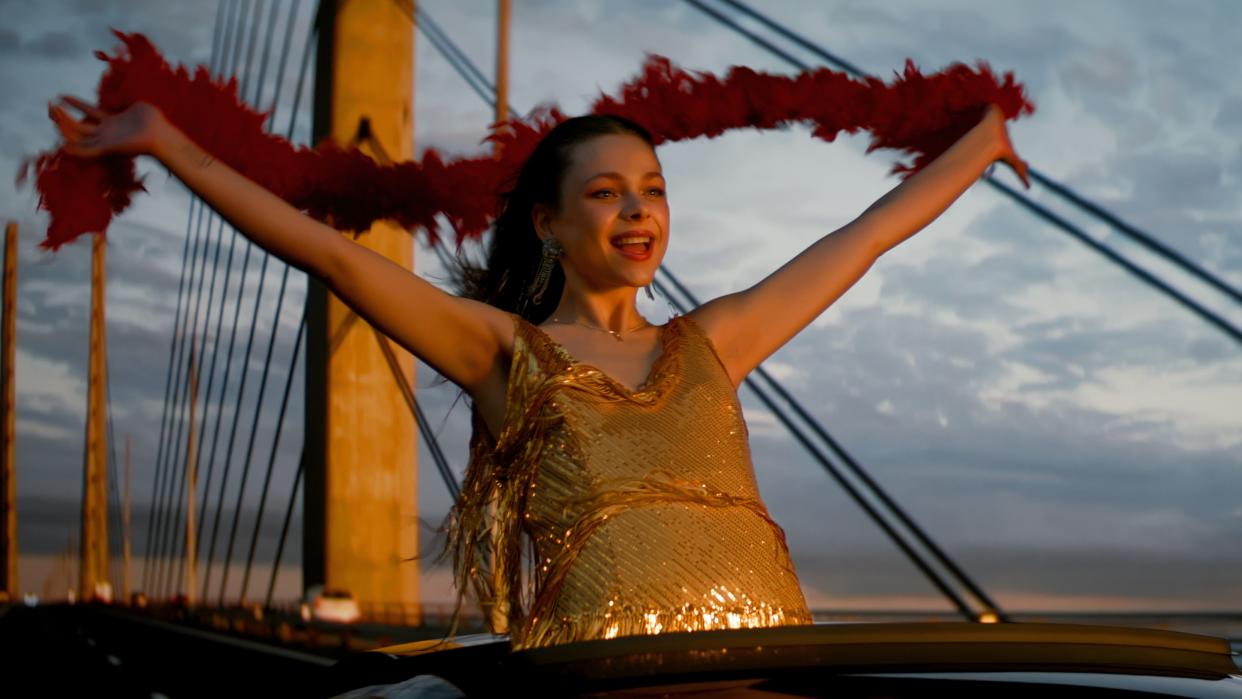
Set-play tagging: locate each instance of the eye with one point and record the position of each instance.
(656, 191)
(603, 194)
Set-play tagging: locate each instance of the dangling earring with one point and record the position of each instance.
(552, 251)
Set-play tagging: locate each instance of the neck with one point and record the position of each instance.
(614, 309)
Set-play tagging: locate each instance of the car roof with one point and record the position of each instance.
(834, 650)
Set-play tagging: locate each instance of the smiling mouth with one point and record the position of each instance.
(634, 245)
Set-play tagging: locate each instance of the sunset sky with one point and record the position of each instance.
(1069, 434)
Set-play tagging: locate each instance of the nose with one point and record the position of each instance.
(635, 208)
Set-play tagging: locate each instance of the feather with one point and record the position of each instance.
(919, 115)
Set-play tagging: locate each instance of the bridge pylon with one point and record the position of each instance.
(360, 527)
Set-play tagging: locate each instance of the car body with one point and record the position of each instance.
(961, 659)
(336, 606)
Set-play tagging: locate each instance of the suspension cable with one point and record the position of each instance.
(271, 461)
(872, 485)
(1128, 230)
(310, 42)
(241, 287)
(175, 569)
(284, 530)
(156, 529)
(217, 336)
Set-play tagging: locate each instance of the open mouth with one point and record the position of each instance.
(634, 245)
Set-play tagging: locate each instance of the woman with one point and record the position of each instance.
(615, 447)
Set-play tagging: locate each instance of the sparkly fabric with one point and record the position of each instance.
(601, 511)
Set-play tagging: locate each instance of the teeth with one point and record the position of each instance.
(632, 239)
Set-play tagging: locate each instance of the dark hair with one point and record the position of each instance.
(514, 250)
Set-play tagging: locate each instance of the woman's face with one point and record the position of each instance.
(613, 218)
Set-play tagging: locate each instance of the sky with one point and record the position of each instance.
(1069, 435)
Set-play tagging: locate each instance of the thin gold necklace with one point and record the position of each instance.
(615, 333)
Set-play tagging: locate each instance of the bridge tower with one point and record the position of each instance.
(8, 465)
(360, 524)
(93, 580)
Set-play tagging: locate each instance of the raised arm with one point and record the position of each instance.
(462, 339)
(748, 326)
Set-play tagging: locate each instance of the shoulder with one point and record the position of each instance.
(716, 322)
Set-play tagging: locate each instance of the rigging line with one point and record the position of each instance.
(311, 41)
(458, 59)
(217, 35)
(221, 30)
(155, 482)
(1195, 307)
(407, 392)
(257, 8)
(267, 47)
(755, 38)
(416, 17)
(233, 333)
(280, 71)
(236, 58)
(798, 39)
(284, 529)
(194, 374)
(454, 62)
(437, 452)
(247, 72)
(848, 487)
(254, 429)
(428, 24)
(271, 461)
(447, 264)
(178, 543)
(367, 135)
(155, 529)
(211, 375)
(223, 68)
(194, 361)
(172, 446)
(1145, 239)
(859, 472)
(857, 469)
(250, 342)
(883, 524)
(241, 287)
(154, 554)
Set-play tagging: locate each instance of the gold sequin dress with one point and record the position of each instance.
(601, 511)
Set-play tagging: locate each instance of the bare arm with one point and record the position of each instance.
(750, 325)
(462, 339)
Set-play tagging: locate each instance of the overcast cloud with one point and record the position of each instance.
(1071, 436)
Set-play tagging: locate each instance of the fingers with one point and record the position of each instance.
(1020, 168)
(70, 128)
(85, 107)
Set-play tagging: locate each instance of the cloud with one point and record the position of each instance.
(1059, 428)
(54, 45)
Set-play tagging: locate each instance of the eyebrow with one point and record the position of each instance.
(619, 176)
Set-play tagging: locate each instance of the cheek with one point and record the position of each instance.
(665, 215)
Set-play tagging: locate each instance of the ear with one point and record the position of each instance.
(541, 220)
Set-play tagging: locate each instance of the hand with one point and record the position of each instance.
(994, 122)
(135, 131)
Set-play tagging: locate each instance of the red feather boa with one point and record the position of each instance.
(921, 115)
